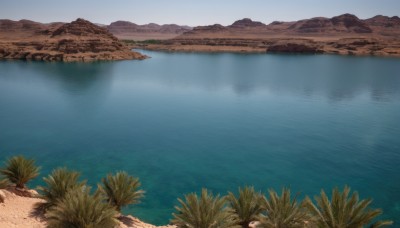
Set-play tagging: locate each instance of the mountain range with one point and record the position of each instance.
(81, 39)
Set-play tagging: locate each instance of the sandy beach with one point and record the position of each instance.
(18, 212)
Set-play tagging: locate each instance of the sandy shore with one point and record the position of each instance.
(18, 212)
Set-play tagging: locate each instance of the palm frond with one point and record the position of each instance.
(81, 210)
(59, 182)
(4, 183)
(121, 190)
(343, 210)
(247, 206)
(283, 211)
(20, 170)
(206, 211)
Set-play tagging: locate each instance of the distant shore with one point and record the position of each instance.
(341, 46)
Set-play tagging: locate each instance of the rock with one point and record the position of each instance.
(79, 40)
(346, 23)
(351, 23)
(246, 22)
(293, 48)
(254, 224)
(125, 28)
(33, 193)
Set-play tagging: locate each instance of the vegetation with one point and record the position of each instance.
(343, 211)
(59, 183)
(247, 206)
(3, 183)
(282, 211)
(69, 203)
(81, 210)
(208, 211)
(121, 190)
(20, 170)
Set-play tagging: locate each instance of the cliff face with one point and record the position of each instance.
(346, 25)
(344, 34)
(79, 40)
(129, 30)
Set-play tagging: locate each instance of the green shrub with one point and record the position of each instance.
(343, 210)
(247, 206)
(3, 183)
(20, 170)
(283, 212)
(59, 182)
(79, 209)
(208, 211)
(121, 190)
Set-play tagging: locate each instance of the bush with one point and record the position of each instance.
(343, 210)
(3, 183)
(121, 190)
(81, 210)
(247, 206)
(283, 211)
(20, 170)
(59, 182)
(208, 211)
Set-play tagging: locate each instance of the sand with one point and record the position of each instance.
(18, 212)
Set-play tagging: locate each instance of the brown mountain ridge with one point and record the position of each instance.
(344, 34)
(79, 40)
(82, 40)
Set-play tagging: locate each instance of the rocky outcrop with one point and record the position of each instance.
(246, 22)
(22, 25)
(294, 48)
(124, 27)
(384, 21)
(346, 23)
(350, 23)
(79, 40)
(129, 30)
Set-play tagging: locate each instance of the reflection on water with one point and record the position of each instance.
(334, 77)
(85, 86)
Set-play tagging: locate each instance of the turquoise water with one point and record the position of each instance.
(185, 121)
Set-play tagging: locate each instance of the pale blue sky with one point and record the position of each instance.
(190, 12)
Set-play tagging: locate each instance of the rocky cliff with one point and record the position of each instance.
(129, 30)
(344, 34)
(79, 40)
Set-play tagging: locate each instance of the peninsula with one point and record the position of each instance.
(79, 40)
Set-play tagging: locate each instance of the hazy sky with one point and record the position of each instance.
(190, 12)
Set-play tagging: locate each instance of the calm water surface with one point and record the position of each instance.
(185, 121)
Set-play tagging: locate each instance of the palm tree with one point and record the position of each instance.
(208, 211)
(20, 170)
(81, 210)
(59, 182)
(344, 211)
(121, 190)
(282, 211)
(247, 206)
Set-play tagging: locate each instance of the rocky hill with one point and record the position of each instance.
(344, 34)
(246, 23)
(129, 30)
(79, 40)
(346, 23)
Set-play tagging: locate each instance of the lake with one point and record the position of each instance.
(183, 121)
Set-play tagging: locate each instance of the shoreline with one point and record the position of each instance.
(18, 211)
(343, 46)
